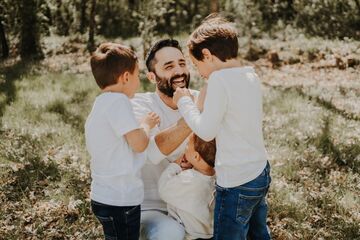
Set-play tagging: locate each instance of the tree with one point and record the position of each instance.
(214, 6)
(82, 15)
(92, 25)
(4, 45)
(30, 47)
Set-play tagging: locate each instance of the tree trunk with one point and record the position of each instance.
(30, 47)
(131, 4)
(4, 45)
(214, 6)
(82, 16)
(91, 41)
(358, 5)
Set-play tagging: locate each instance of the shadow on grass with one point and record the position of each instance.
(75, 120)
(11, 74)
(31, 172)
(343, 155)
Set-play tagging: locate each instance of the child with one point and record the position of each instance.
(115, 140)
(189, 193)
(233, 114)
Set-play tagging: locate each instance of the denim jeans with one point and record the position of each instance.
(118, 222)
(157, 225)
(240, 212)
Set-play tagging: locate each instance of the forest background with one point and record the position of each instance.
(306, 52)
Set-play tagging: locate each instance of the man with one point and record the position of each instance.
(167, 69)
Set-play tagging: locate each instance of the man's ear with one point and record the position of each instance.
(151, 77)
(206, 53)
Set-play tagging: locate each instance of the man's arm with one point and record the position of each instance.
(171, 138)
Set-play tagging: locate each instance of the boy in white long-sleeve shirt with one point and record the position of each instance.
(233, 114)
(189, 193)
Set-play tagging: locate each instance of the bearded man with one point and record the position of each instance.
(167, 69)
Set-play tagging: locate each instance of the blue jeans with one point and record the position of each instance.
(157, 225)
(240, 212)
(118, 222)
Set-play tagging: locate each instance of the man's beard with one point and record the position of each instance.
(165, 85)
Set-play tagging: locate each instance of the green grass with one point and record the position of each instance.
(313, 146)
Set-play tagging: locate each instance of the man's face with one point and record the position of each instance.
(170, 70)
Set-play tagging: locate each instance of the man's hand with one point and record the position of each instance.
(180, 92)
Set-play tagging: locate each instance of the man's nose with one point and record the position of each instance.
(178, 70)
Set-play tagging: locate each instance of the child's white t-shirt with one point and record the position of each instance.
(233, 114)
(115, 167)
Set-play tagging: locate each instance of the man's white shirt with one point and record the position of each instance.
(156, 162)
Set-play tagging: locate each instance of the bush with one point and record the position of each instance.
(329, 18)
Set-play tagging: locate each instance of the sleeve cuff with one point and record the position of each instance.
(183, 103)
(153, 153)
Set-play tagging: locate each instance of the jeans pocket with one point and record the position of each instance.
(133, 215)
(108, 226)
(246, 205)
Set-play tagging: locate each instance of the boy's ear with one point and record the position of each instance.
(197, 156)
(123, 78)
(206, 53)
(151, 77)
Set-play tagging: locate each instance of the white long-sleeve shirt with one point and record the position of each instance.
(233, 114)
(188, 195)
(156, 162)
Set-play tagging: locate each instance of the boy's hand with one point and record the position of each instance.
(180, 92)
(151, 119)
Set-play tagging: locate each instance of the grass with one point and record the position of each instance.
(311, 129)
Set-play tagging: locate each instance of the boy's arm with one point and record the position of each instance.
(138, 139)
(206, 124)
(201, 99)
(162, 143)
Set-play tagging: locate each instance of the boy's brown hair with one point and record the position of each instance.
(216, 34)
(207, 150)
(111, 60)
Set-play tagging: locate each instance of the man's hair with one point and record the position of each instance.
(111, 60)
(150, 60)
(207, 150)
(216, 34)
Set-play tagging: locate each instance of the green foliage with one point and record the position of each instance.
(329, 18)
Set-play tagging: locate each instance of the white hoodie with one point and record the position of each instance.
(189, 195)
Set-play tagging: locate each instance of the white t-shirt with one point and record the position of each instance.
(233, 114)
(115, 167)
(189, 195)
(156, 162)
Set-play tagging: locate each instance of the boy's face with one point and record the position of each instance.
(133, 84)
(204, 67)
(170, 70)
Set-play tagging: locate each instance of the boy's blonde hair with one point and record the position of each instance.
(216, 34)
(207, 150)
(111, 60)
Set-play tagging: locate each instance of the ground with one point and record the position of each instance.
(311, 95)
